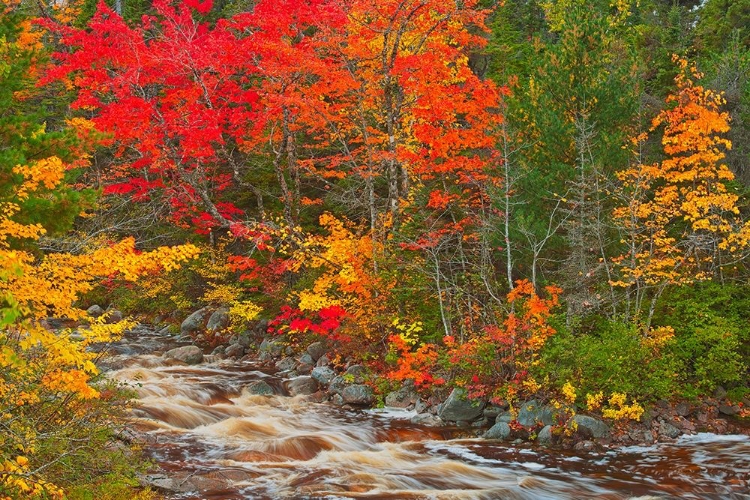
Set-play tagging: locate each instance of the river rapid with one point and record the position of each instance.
(214, 441)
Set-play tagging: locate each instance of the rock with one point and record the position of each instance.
(164, 483)
(323, 361)
(193, 323)
(113, 316)
(323, 374)
(421, 406)
(482, 422)
(234, 351)
(491, 411)
(286, 364)
(730, 410)
(683, 409)
(427, 419)
(307, 359)
(357, 394)
(545, 436)
(402, 398)
(720, 392)
(532, 413)
(359, 373)
(302, 386)
(316, 350)
(337, 400)
(219, 350)
(669, 430)
(337, 384)
(585, 446)
(189, 354)
(260, 388)
(500, 430)
(243, 339)
(458, 407)
(589, 426)
(504, 417)
(304, 368)
(95, 311)
(269, 349)
(219, 320)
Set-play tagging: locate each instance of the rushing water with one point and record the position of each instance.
(215, 441)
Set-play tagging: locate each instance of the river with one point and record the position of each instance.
(214, 441)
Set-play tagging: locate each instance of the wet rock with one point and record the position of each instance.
(306, 359)
(260, 388)
(421, 406)
(113, 316)
(459, 407)
(323, 374)
(402, 398)
(504, 417)
(193, 323)
(500, 430)
(219, 320)
(357, 394)
(669, 430)
(641, 436)
(337, 400)
(95, 311)
(730, 410)
(359, 373)
(219, 350)
(427, 419)
(491, 411)
(316, 350)
(189, 354)
(683, 409)
(585, 446)
(532, 413)
(338, 383)
(304, 368)
(545, 436)
(482, 422)
(589, 426)
(286, 364)
(234, 351)
(164, 483)
(302, 386)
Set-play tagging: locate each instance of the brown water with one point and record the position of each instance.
(217, 442)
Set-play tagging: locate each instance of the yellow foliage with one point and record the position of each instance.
(569, 392)
(619, 410)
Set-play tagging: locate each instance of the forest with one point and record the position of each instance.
(518, 198)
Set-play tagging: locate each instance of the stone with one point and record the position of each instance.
(269, 349)
(337, 400)
(359, 373)
(504, 417)
(491, 411)
(585, 446)
(113, 316)
(730, 410)
(357, 394)
(302, 386)
(402, 398)
(306, 359)
(304, 368)
(323, 361)
(316, 350)
(720, 392)
(421, 406)
(219, 350)
(545, 436)
(589, 426)
(338, 383)
(95, 311)
(669, 430)
(532, 413)
(193, 323)
(459, 407)
(500, 430)
(427, 419)
(286, 364)
(219, 320)
(323, 374)
(683, 409)
(234, 351)
(189, 354)
(260, 388)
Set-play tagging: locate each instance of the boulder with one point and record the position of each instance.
(590, 427)
(427, 419)
(500, 430)
(357, 394)
(286, 364)
(304, 368)
(269, 349)
(219, 350)
(316, 350)
(532, 413)
(193, 323)
(337, 384)
(730, 410)
(189, 354)
(359, 373)
(545, 436)
(302, 386)
(219, 320)
(234, 351)
(113, 316)
(95, 311)
(323, 374)
(402, 398)
(459, 407)
(669, 430)
(259, 388)
(324, 360)
(306, 359)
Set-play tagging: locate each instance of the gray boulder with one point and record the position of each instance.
(669, 430)
(357, 394)
(189, 354)
(359, 373)
(427, 419)
(286, 364)
(532, 413)
(219, 320)
(234, 351)
(269, 349)
(323, 374)
(302, 386)
(307, 359)
(193, 323)
(304, 368)
(459, 407)
(316, 350)
(402, 398)
(338, 383)
(500, 430)
(95, 311)
(113, 316)
(590, 426)
(259, 388)
(545, 436)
